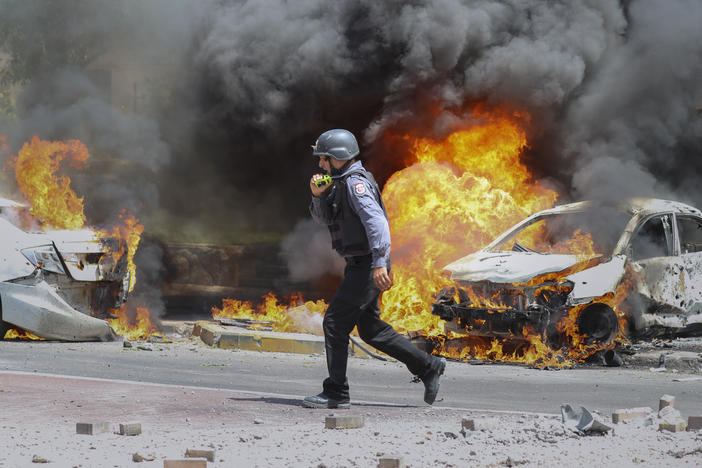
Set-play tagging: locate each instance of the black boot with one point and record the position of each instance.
(323, 401)
(431, 380)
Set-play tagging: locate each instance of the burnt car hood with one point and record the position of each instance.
(508, 267)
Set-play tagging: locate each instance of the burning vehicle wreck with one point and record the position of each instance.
(583, 274)
(59, 284)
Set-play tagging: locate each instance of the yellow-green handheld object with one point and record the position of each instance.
(323, 181)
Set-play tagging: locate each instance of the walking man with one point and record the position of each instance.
(352, 208)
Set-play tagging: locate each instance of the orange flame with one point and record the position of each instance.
(15, 334)
(54, 203)
(139, 328)
(297, 315)
(455, 199)
(52, 200)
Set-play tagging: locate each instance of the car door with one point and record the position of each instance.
(653, 254)
(690, 235)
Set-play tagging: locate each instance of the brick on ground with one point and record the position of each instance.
(666, 400)
(343, 422)
(694, 423)
(191, 463)
(479, 424)
(130, 429)
(196, 453)
(390, 462)
(92, 428)
(672, 426)
(627, 414)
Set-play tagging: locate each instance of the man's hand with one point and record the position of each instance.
(318, 191)
(382, 279)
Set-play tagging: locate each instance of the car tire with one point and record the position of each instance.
(598, 324)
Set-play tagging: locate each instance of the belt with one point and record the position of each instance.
(359, 259)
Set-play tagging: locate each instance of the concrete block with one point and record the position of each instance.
(666, 400)
(130, 429)
(343, 422)
(670, 413)
(92, 428)
(628, 414)
(197, 329)
(194, 453)
(672, 426)
(192, 463)
(479, 424)
(390, 462)
(694, 423)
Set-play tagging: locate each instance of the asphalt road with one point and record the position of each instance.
(465, 386)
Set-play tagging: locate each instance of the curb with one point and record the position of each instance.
(224, 337)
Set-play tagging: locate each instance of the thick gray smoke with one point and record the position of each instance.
(611, 87)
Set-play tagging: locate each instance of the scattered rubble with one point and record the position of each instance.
(92, 428)
(195, 453)
(629, 414)
(582, 421)
(343, 422)
(191, 463)
(130, 429)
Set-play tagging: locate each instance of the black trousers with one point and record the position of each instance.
(356, 304)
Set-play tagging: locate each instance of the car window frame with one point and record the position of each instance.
(679, 240)
(675, 250)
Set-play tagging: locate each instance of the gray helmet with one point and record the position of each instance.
(338, 144)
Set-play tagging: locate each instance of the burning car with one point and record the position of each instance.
(57, 284)
(583, 272)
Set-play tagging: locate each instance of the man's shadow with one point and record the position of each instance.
(298, 402)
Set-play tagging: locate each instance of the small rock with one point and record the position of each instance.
(258, 421)
(140, 458)
(127, 344)
(38, 459)
(146, 347)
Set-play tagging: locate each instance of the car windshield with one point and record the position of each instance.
(584, 233)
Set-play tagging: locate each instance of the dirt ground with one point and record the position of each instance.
(253, 429)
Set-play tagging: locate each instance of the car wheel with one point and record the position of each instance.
(598, 324)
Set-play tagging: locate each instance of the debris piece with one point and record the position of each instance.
(146, 347)
(694, 423)
(38, 459)
(127, 344)
(191, 463)
(686, 379)
(391, 462)
(612, 358)
(258, 421)
(130, 429)
(668, 412)
(628, 414)
(676, 426)
(666, 400)
(582, 421)
(194, 453)
(156, 339)
(479, 424)
(92, 428)
(343, 422)
(197, 329)
(140, 458)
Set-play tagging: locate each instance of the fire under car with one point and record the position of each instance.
(633, 268)
(58, 285)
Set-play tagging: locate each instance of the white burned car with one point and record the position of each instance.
(581, 255)
(58, 284)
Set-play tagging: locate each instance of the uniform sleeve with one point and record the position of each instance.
(363, 202)
(321, 209)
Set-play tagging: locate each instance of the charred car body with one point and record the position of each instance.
(58, 284)
(580, 255)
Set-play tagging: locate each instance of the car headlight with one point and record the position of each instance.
(44, 257)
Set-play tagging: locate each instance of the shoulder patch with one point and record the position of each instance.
(359, 188)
